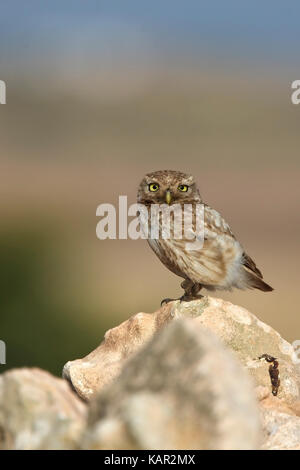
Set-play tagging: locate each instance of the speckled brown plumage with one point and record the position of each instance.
(221, 263)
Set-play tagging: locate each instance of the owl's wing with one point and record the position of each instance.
(215, 250)
(249, 263)
(217, 224)
(219, 260)
(214, 223)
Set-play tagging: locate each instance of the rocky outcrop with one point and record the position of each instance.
(239, 329)
(38, 411)
(280, 422)
(281, 430)
(184, 390)
(180, 378)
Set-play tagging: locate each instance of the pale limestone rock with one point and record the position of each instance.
(281, 430)
(101, 366)
(262, 392)
(38, 411)
(183, 390)
(280, 421)
(239, 329)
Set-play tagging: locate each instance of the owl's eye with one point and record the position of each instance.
(183, 188)
(153, 187)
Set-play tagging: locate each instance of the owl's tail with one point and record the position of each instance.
(256, 282)
(254, 277)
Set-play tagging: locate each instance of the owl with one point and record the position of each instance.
(219, 262)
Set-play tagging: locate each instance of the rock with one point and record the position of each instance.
(274, 403)
(281, 430)
(280, 421)
(38, 411)
(296, 408)
(239, 329)
(262, 392)
(183, 390)
(100, 367)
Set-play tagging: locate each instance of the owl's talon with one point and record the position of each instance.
(166, 301)
(189, 298)
(183, 298)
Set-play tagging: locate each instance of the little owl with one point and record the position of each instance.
(220, 262)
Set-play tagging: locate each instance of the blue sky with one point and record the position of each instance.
(252, 30)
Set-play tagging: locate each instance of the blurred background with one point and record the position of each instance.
(99, 93)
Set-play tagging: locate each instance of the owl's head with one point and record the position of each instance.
(168, 187)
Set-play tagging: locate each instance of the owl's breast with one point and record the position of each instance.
(169, 255)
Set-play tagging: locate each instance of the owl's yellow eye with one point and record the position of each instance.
(183, 188)
(153, 187)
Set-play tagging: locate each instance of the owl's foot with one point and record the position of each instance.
(166, 301)
(191, 290)
(189, 298)
(183, 298)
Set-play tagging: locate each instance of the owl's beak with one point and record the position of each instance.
(168, 197)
